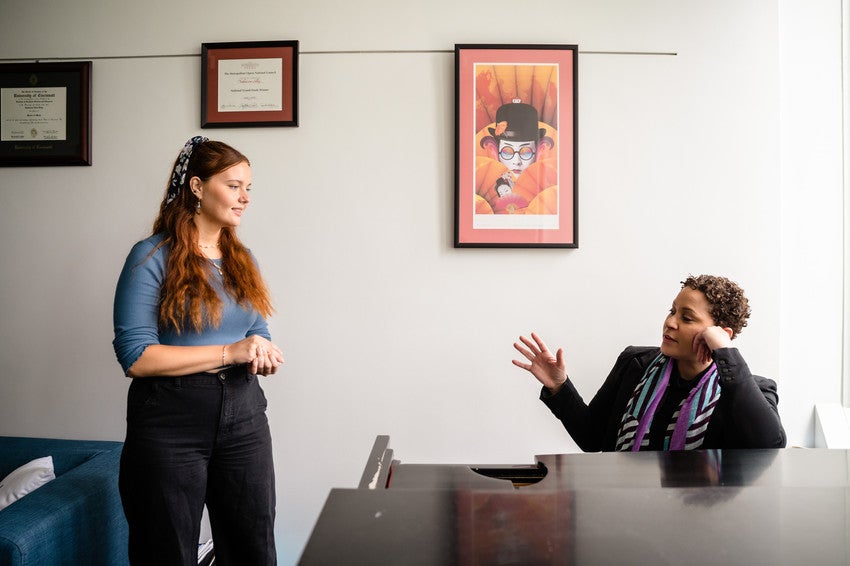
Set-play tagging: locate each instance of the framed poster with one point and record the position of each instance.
(249, 84)
(516, 146)
(45, 113)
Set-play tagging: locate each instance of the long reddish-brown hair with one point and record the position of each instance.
(187, 297)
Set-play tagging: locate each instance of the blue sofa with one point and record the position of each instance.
(76, 518)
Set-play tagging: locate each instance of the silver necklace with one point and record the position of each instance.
(209, 259)
(217, 266)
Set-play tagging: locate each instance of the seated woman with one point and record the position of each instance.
(695, 391)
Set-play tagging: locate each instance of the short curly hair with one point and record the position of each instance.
(729, 307)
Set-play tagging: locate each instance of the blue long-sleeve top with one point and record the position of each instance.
(136, 309)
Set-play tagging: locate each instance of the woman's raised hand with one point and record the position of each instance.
(550, 371)
(710, 339)
(263, 356)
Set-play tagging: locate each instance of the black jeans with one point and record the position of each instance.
(190, 440)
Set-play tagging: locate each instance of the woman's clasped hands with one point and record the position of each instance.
(263, 356)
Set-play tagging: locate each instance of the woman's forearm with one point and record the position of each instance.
(170, 361)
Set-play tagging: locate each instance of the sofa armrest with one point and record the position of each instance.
(75, 519)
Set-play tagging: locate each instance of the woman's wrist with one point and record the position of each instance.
(224, 355)
(557, 387)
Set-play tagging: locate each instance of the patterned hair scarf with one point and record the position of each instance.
(178, 175)
(687, 429)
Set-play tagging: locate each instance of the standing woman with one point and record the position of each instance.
(190, 329)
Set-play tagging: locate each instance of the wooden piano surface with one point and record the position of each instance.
(703, 507)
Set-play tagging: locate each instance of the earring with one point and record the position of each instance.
(198, 207)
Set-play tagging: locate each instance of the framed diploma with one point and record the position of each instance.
(516, 146)
(45, 113)
(249, 84)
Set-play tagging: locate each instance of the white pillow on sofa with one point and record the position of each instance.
(25, 479)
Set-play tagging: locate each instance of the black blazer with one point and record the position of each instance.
(745, 417)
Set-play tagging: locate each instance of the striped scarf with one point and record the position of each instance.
(686, 430)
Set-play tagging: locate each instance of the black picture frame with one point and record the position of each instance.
(249, 84)
(508, 96)
(36, 128)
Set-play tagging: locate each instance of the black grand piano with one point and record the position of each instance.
(749, 507)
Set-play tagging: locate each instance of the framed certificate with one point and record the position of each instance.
(45, 113)
(516, 151)
(249, 84)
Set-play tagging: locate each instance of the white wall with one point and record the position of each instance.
(812, 207)
(724, 158)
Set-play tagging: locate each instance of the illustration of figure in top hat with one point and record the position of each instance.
(515, 142)
(516, 136)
